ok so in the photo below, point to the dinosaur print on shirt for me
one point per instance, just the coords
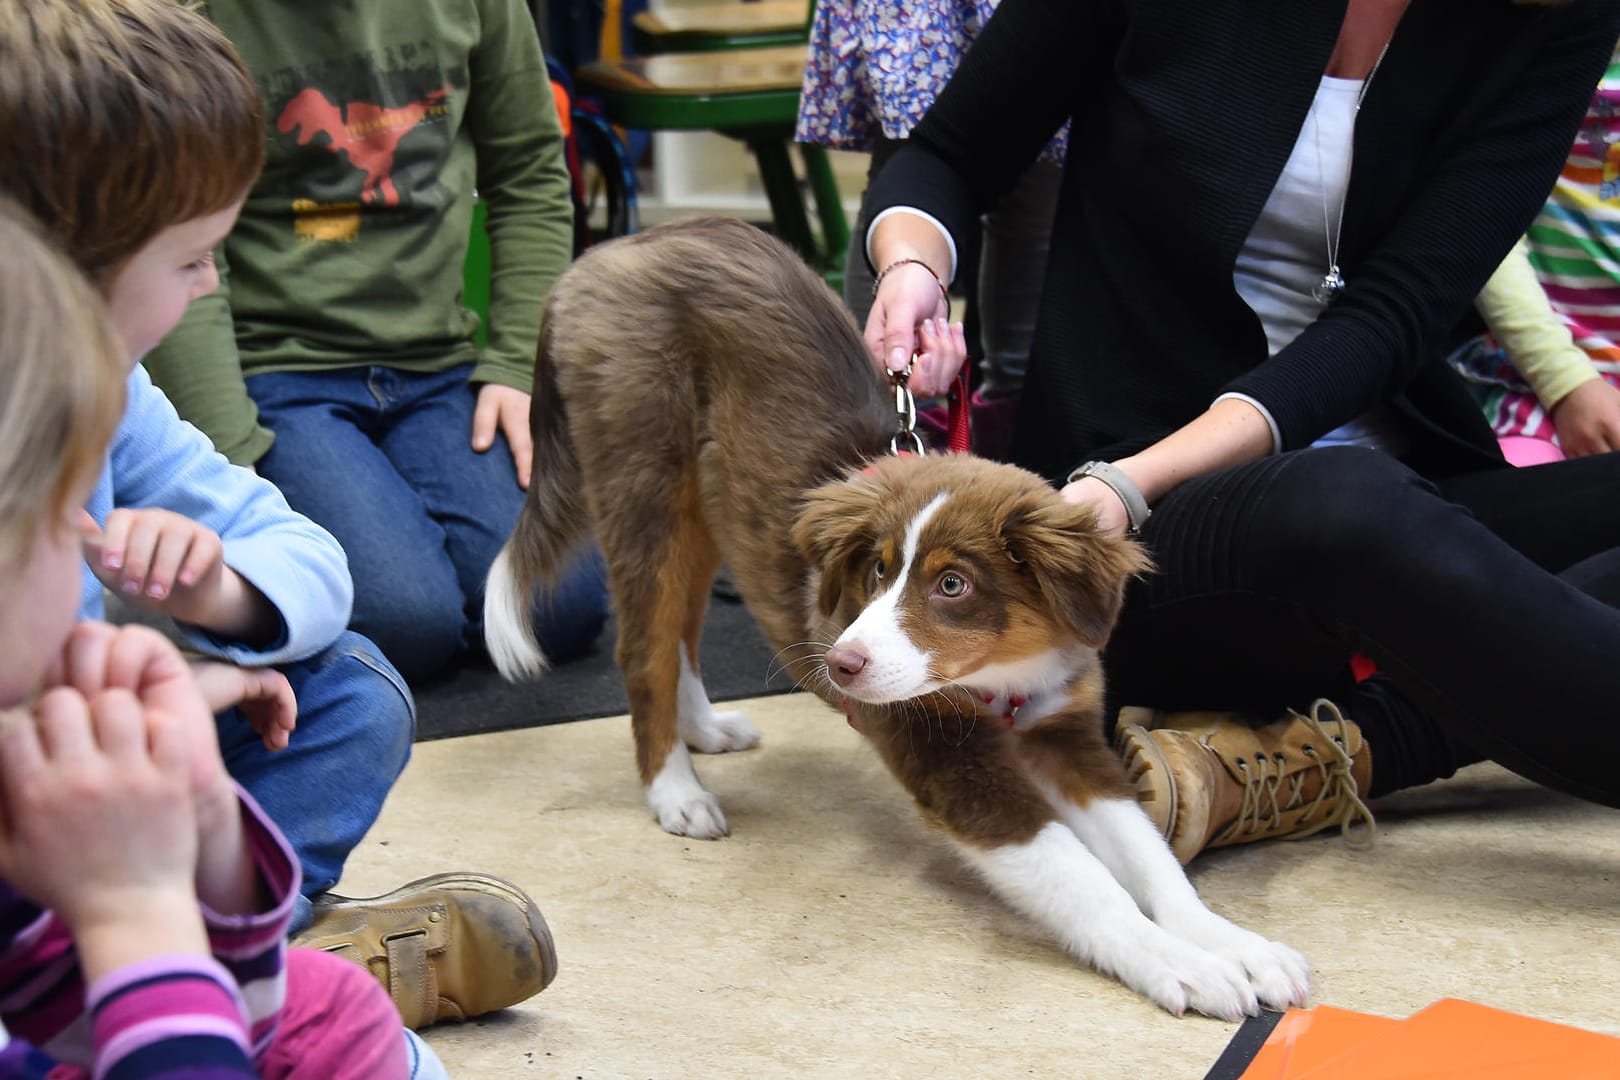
(368, 134)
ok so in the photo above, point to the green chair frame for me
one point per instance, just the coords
(759, 107)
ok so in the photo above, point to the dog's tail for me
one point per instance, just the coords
(551, 524)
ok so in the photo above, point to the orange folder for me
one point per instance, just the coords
(1306, 1038)
(1449, 1040)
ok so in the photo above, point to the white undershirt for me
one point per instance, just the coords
(1286, 254)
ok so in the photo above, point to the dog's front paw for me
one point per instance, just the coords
(720, 732)
(1280, 976)
(1178, 975)
(693, 812)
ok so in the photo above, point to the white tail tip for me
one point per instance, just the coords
(509, 626)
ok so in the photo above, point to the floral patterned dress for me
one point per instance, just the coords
(876, 66)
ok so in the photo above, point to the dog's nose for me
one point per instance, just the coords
(844, 663)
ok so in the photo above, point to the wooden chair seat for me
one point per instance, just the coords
(746, 94)
(710, 25)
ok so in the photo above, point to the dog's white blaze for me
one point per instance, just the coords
(896, 669)
(508, 624)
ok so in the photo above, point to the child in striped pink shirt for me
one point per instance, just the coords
(1549, 370)
(144, 897)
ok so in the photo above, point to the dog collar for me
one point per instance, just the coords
(1014, 702)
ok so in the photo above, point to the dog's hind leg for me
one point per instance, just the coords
(653, 568)
(702, 728)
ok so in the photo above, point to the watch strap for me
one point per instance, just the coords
(1136, 507)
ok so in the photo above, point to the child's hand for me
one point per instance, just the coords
(140, 659)
(1588, 419)
(100, 657)
(263, 694)
(97, 822)
(503, 409)
(167, 563)
(156, 558)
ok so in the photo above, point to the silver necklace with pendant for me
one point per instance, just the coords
(1332, 284)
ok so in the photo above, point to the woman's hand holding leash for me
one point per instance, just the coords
(911, 307)
(909, 319)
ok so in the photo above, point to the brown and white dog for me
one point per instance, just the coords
(701, 397)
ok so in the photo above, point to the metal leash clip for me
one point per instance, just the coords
(906, 406)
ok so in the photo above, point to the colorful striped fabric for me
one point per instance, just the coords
(169, 1017)
(178, 1016)
(1574, 250)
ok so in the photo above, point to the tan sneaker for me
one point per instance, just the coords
(1209, 779)
(445, 947)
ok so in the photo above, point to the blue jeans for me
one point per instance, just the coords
(383, 459)
(355, 725)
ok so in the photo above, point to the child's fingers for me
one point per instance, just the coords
(20, 752)
(93, 544)
(274, 687)
(270, 706)
(140, 546)
(486, 415)
(119, 725)
(171, 552)
(85, 657)
(139, 658)
(169, 746)
(205, 552)
(522, 444)
(114, 538)
(62, 720)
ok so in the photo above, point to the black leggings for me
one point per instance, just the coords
(1488, 601)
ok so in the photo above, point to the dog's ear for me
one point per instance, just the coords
(1081, 573)
(834, 530)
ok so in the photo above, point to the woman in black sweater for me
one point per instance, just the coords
(1273, 216)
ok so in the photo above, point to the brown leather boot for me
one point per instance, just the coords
(445, 947)
(1209, 779)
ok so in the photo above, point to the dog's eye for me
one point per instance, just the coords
(952, 585)
(877, 569)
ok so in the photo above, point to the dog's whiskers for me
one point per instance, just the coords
(781, 663)
(970, 715)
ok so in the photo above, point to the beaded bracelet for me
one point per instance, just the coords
(944, 293)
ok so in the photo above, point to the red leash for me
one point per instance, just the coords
(959, 432)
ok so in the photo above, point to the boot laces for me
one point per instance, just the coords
(1337, 800)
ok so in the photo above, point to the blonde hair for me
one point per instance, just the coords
(62, 373)
(120, 118)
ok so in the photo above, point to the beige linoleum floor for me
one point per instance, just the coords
(832, 936)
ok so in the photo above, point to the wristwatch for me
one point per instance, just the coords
(1136, 507)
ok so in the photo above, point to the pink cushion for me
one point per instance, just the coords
(1523, 450)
